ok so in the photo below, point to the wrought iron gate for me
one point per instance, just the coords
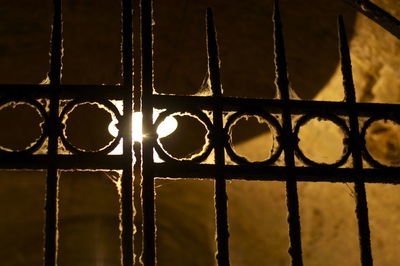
(277, 112)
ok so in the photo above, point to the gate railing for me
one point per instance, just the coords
(225, 111)
(287, 138)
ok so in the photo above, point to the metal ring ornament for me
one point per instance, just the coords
(110, 107)
(366, 154)
(328, 117)
(42, 112)
(203, 118)
(272, 123)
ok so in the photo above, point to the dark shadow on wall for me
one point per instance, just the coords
(246, 45)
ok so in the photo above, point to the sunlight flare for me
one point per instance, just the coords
(165, 128)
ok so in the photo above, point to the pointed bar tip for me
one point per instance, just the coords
(210, 17)
(343, 42)
(213, 57)
(341, 23)
(345, 59)
(281, 76)
(277, 12)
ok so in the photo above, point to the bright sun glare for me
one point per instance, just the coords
(164, 129)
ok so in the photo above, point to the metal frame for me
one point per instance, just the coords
(137, 159)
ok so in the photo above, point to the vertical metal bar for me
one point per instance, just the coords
(51, 207)
(282, 84)
(356, 147)
(137, 172)
(137, 146)
(127, 183)
(149, 250)
(221, 207)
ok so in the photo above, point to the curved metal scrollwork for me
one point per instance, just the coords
(203, 118)
(69, 107)
(327, 117)
(37, 144)
(367, 155)
(272, 123)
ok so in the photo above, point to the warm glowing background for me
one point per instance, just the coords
(257, 211)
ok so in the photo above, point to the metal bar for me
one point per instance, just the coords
(115, 92)
(356, 148)
(126, 181)
(282, 84)
(137, 146)
(221, 198)
(51, 207)
(275, 106)
(277, 173)
(137, 200)
(149, 228)
(206, 171)
(90, 92)
(81, 161)
(377, 14)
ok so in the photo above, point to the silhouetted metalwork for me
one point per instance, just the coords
(355, 147)
(52, 129)
(377, 14)
(287, 162)
(217, 140)
(149, 227)
(110, 107)
(126, 132)
(282, 85)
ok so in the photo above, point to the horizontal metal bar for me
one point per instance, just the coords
(277, 173)
(79, 161)
(273, 105)
(116, 92)
(390, 175)
(89, 92)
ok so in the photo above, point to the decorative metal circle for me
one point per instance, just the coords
(202, 117)
(109, 107)
(272, 123)
(42, 112)
(328, 117)
(367, 155)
